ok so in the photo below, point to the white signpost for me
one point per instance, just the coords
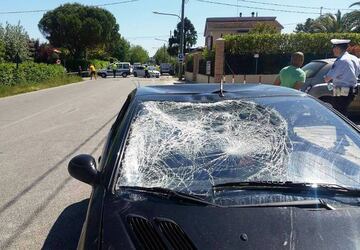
(180, 58)
(208, 70)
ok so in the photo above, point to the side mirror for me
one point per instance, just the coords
(83, 168)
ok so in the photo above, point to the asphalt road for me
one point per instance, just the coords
(41, 206)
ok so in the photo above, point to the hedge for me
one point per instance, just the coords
(318, 43)
(29, 72)
(73, 65)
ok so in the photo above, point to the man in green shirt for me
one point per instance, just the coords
(292, 76)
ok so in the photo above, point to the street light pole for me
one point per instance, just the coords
(182, 35)
(182, 39)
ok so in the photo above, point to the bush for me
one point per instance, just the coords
(99, 64)
(29, 72)
(73, 65)
(318, 43)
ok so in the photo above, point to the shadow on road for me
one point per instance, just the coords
(66, 230)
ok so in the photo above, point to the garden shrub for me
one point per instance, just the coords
(29, 72)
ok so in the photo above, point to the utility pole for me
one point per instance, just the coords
(182, 40)
(321, 10)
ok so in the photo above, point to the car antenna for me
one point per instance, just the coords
(221, 92)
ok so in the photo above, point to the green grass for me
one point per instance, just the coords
(6, 90)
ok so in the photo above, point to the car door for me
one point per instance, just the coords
(109, 70)
(140, 71)
(119, 69)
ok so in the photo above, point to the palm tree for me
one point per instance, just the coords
(337, 23)
(354, 17)
(356, 3)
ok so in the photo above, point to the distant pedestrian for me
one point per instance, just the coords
(114, 67)
(292, 76)
(92, 72)
(80, 70)
(343, 74)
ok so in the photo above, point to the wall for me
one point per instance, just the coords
(251, 78)
(237, 78)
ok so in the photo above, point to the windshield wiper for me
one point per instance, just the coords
(288, 186)
(170, 194)
(319, 203)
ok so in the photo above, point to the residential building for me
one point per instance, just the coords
(217, 27)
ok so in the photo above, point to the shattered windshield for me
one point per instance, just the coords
(192, 146)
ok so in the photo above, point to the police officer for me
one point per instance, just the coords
(147, 75)
(343, 74)
(114, 67)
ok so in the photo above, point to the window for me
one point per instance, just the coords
(312, 68)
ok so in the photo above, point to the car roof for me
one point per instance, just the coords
(245, 90)
(327, 60)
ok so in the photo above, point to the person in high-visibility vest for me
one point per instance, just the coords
(92, 72)
(114, 67)
(147, 75)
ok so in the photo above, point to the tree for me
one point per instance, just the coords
(354, 17)
(15, 42)
(43, 52)
(119, 48)
(79, 28)
(138, 54)
(264, 28)
(306, 27)
(162, 55)
(190, 38)
(330, 23)
(2, 51)
(337, 23)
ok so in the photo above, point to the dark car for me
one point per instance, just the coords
(315, 85)
(246, 167)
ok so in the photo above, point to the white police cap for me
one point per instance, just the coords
(340, 41)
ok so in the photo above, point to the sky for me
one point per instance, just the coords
(141, 27)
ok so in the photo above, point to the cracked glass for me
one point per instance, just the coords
(190, 147)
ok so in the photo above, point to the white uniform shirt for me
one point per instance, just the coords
(345, 71)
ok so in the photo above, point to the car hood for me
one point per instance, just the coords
(154, 71)
(142, 223)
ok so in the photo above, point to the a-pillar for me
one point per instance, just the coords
(219, 59)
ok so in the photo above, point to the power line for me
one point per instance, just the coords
(258, 8)
(289, 5)
(115, 3)
(38, 11)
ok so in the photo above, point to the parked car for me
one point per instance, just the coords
(139, 71)
(315, 85)
(123, 69)
(166, 68)
(196, 166)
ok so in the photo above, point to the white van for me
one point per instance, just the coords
(122, 69)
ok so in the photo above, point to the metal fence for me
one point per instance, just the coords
(202, 67)
(266, 64)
